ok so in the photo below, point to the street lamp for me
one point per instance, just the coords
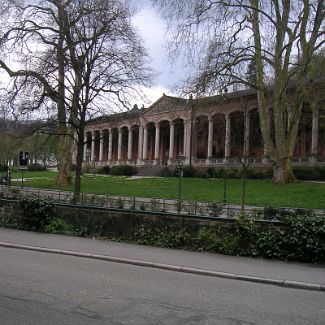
(180, 175)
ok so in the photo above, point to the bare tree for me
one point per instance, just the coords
(223, 37)
(88, 58)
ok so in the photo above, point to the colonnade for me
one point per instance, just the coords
(162, 142)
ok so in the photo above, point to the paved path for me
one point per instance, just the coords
(240, 266)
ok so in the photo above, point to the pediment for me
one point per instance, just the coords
(166, 104)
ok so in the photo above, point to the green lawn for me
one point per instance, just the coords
(258, 192)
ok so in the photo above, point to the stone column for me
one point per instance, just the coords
(184, 140)
(228, 137)
(92, 157)
(157, 141)
(119, 145)
(101, 145)
(130, 139)
(246, 134)
(314, 136)
(145, 143)
(85, 148)
(140, 145)
(110, 144)
(188, 141)
(171, 141)
(210, 139)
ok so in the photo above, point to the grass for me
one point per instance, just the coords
(258, 192)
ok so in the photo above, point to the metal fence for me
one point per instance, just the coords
(185, 207)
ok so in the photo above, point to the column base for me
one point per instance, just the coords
(312, 159)
(266, 160)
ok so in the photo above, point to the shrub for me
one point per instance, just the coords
(189, 171)
(36, 168)
(59, 226)
(166, 172)
(103, 170)
(87, 168)
(220, 172)
(321, 171)
(35, 213)
(310, 173)
(307, 173)
(125, 170)
(303, 239)
(211, 172)
(3, 168)
(233, 173)
(201, 173)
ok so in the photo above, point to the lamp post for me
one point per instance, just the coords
(180, 175)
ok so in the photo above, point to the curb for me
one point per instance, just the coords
(168, 267)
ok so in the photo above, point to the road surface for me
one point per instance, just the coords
(40, 288)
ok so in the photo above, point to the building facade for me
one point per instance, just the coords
(209, 131)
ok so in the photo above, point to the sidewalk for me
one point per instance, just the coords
(249, 269)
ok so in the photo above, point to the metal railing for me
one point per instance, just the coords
(163, 206)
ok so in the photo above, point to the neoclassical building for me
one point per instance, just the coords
(209, 131)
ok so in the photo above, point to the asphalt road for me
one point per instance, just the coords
(40, 288)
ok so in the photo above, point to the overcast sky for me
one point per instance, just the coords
(152, 30)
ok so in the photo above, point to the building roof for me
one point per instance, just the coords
(170, 103)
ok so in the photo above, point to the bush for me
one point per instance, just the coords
(3, 168)
(35, 213)
(166, 172)
(59, 226)
(36, 168)
(304, 238)
(211, 172)
(201, 173)
(189, 171)
(125, 170)
(233, 173)
(87, 168)
(321, 171)
(307, 173)
(310, 173)
(103, 170)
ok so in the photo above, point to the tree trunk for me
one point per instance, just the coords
(283, 172)
(79, 159)
(65, 160)
(65, 141)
